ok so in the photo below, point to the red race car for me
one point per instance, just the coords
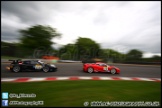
(100, 67)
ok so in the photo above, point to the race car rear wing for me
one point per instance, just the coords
(15, 61)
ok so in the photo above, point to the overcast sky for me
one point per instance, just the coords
(121, 26)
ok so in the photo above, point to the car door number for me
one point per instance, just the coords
(37, 66)
(105, 68)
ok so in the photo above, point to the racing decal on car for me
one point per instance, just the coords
(37, 66)
(105, 68)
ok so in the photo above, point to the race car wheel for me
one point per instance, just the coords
(113, 71)
(16, 69)
(90, 69)
(46, 69)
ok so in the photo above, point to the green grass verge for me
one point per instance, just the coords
(75, 93)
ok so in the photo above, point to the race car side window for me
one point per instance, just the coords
(103, 65)
(26, 62)
(99, 64)
(34, 62)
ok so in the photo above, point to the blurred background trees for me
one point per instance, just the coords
(35, 41)
(134, 55)
(37, 37)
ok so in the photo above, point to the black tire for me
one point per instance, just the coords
(16, 69)
(46, 69)
(113, 71)
(90, 70)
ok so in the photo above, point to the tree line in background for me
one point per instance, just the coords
(36, 41)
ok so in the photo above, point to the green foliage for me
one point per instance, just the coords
(153, 59)
(37, 36)
(83, 48)
(68, 52)
(87, 48)
(7, 49)
(156, 57)
(114, 56)
(36, 40)
(134, 55)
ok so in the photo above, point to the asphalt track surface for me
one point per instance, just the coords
(75, 69)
